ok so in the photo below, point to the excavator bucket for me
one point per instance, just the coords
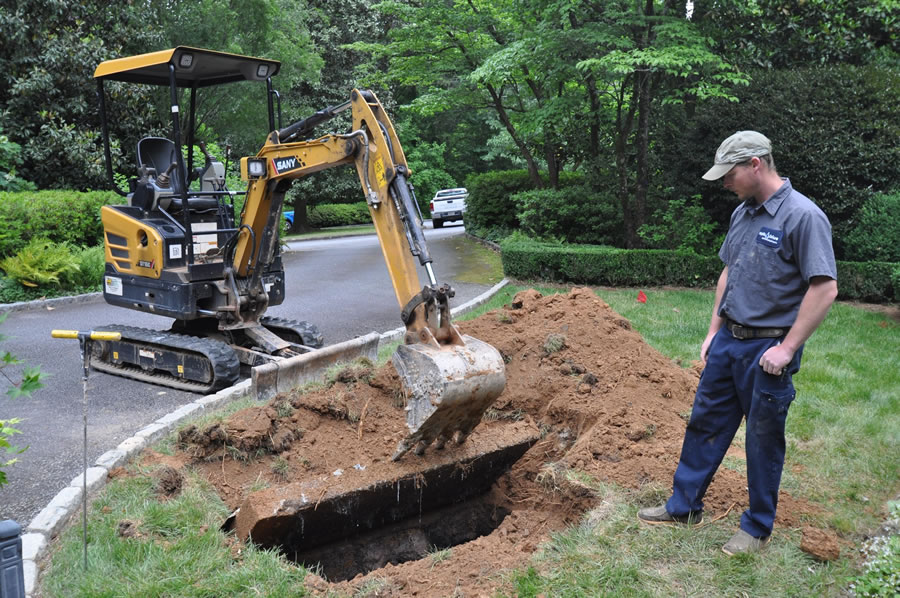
(449, 387)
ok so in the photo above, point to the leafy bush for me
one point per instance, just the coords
(91, 266)
(867, 281)
(573, 214)
(596, 265)
(876, 234)
(10, 157)
(342, 214)
(490, 203)
(59, 216)
(527, 259)
(683, 226)
(41, 263)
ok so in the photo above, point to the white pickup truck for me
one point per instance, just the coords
(448, 204)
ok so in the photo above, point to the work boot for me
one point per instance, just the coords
(742, 542)
(659, 516)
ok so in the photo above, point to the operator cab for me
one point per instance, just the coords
(178, 229)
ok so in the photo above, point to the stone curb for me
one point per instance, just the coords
(50, 303)
(47, 524)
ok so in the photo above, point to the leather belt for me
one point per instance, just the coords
(741, 332)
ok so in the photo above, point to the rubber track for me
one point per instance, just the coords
(225, 364)
(306, 331)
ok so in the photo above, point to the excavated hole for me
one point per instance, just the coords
(407, 540)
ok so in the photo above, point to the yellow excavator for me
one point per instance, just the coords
(177, 249)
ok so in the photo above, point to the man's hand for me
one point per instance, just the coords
(704, 348)
(776, 359)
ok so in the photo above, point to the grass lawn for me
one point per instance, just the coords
(843, 434)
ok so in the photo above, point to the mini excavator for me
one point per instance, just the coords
(177, 249)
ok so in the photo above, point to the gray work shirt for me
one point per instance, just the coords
(772, 250)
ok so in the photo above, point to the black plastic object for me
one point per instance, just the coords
(12, 575)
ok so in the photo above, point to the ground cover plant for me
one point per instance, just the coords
(840, 472)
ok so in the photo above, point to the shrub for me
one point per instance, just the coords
(876, 234)
(58, 216)
(573, 214)
(41, 263)
(683, 225)
(342, 214)
(10, 157)
(490, 203)
(596, 265)
(867, 281)
(91, 266)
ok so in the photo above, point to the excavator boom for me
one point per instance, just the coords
(450, 379)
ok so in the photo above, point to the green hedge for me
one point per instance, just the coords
(339, 214)
(60, 216)
(597, 265)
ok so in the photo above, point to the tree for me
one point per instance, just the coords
(50, 49)
(784, 34)
(565, 79)
(654, 55)
(47, 96)
(483, 55)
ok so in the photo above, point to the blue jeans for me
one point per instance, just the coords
(734, 386)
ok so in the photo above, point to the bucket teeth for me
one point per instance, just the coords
(449, 389)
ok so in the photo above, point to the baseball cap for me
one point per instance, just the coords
(738, 148)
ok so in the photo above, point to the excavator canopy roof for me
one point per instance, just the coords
(193, 67)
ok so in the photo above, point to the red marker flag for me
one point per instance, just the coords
(642, 298)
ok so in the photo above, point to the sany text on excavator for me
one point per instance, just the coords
(177, 249)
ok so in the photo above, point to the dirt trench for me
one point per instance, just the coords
(580, 380)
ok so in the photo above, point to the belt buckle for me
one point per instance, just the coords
(740, 332)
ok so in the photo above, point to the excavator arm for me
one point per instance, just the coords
(450, 379)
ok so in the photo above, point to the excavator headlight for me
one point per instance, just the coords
(253, 168)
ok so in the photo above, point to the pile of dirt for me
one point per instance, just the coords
(602, 401)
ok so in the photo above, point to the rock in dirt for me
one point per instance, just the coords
(820, 544)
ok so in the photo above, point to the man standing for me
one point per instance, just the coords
(777, 286)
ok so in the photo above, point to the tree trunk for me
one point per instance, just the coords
(642, 143)
(301, 218)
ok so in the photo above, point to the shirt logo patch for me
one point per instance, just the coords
(769, 237)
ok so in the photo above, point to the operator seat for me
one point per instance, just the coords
(159, 153)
